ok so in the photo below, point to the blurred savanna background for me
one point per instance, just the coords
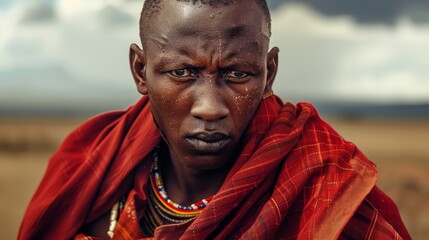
(362, 63)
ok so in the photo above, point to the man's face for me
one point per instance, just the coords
(205, 73)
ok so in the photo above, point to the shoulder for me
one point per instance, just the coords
(93, 133)
(320, 145)
(317, 134)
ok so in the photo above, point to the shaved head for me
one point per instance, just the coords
(151, 9)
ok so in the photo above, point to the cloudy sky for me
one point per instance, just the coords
(74, 53)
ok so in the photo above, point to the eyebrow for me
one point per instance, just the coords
(228, 63)
(180, 60)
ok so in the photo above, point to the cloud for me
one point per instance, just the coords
(78, 54)
(43, 88)
(111, 17)
(38, 13)
(393, 86)
(75, 57)
(338, 58)
(367, 11)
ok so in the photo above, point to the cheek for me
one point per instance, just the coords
(253, 98)
(169, 109)
(245, 105)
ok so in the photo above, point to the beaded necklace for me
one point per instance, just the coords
(161, 209)
(162, 194)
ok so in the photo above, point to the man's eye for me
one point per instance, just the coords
(181, 73)
(235, 74)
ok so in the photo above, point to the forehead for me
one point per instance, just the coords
(176, 19)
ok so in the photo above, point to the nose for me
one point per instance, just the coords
(209, 105)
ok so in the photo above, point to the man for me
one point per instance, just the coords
(209, 152)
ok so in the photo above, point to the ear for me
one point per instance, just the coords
(272, 63)
(138, 68)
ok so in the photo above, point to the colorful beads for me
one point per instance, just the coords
(160, 190)
(161, 209)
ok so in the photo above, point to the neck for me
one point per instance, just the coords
(186, 186)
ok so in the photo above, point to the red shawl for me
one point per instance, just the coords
(295, 178)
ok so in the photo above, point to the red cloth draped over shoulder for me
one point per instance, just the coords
(295, 178)
(90, 171)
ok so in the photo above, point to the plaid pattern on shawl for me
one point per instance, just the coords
(296, 178)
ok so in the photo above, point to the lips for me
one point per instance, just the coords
(208, 143)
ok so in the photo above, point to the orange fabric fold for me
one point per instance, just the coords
(295, 178)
